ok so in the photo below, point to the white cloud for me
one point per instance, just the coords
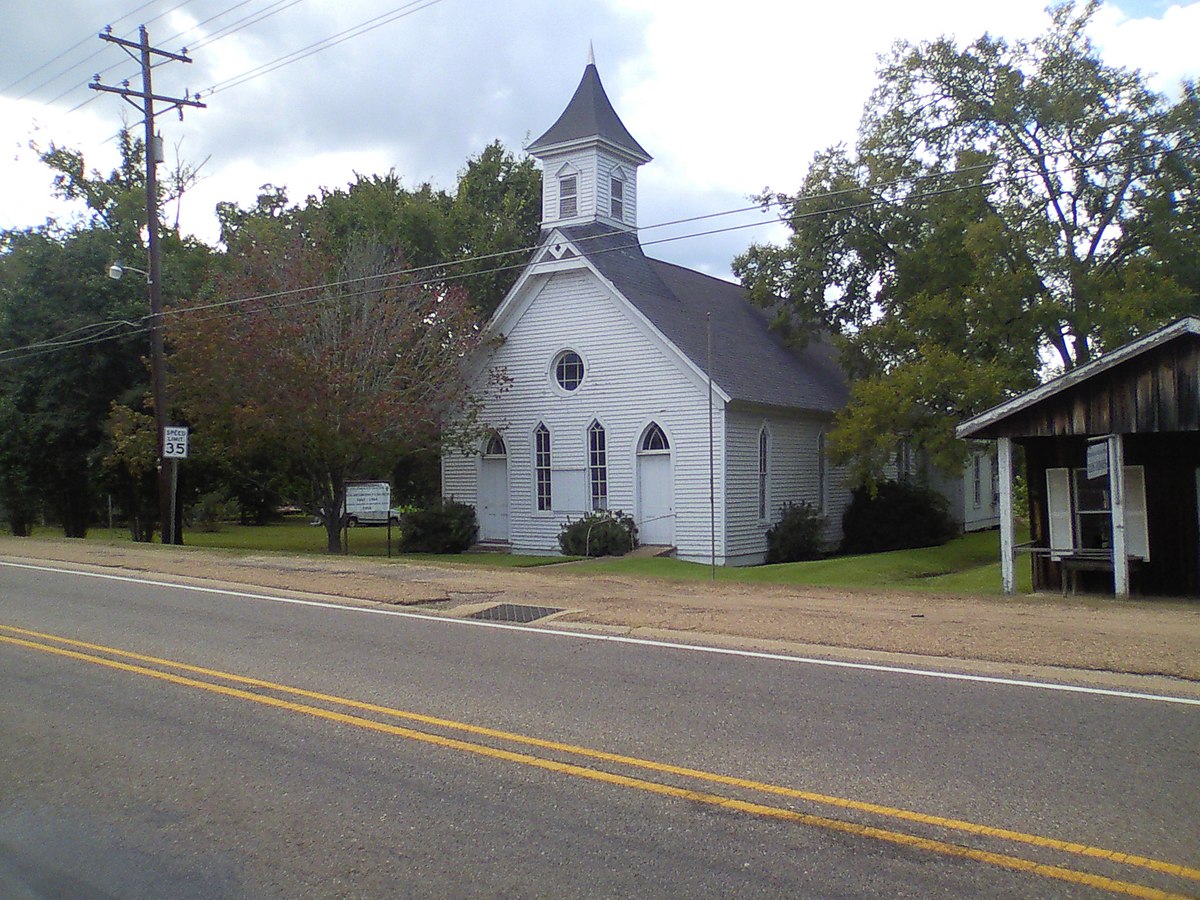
(1163, 48)
(729, 100)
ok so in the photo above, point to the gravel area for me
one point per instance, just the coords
(1011, 636)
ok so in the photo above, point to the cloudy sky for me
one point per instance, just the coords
(728, 98)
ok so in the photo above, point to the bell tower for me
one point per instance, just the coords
(589, 161)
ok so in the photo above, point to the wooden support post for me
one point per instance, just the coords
(1004, 460)
(1116, 481)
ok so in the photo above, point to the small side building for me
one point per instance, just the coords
(973, 494)
(1112, 456)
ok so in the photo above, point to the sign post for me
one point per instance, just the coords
(175, 448)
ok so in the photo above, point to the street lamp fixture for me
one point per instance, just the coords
(117, 269)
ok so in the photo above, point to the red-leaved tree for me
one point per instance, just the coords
(330, 362)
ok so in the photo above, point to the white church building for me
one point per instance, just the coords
(607, 400)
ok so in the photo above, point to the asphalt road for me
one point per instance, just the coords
(165, 742)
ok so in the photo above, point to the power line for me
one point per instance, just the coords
(365, 27)
(362, 28)
(55, 344)
(245, 22)
(232, 28)
(30, 74)
(77, 45)
(220, 34)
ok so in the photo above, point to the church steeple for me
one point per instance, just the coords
(589, 161)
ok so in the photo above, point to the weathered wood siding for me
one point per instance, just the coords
(1170, 463)
(1156, 391)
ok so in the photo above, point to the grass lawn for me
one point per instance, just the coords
(296, 535)
(968, 564)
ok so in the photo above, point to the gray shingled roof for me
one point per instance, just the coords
(589, 115)
(751, 363)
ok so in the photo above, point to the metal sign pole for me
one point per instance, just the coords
(174, 489)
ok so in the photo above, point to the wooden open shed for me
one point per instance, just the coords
(1112, 458)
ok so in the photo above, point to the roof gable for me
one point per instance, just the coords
(750, 362)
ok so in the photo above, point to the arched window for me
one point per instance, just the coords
(653, 440)
(541, 466)
(495, 446)
(598, 465)
(568, 370)
(763, 441)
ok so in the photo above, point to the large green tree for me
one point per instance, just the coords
(466, 245)
(64, 357)
(322, 357)
(1007, 206)
(72, 341)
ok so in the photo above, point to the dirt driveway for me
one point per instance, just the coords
(1003, 636)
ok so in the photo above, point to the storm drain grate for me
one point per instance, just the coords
(513, 612)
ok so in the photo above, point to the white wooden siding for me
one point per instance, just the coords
(593, 170)
(630, 380)
(605, 166)
(987, 513)
(791, 477)
(584, 161)
(460, 477)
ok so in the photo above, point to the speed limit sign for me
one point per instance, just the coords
(175, 442)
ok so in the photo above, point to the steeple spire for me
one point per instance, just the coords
(590, 116)
(589, 160)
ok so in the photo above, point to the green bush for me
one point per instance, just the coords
(900, 515)
(442, 527)
(797, 534)
(213, 508)
(603, 533)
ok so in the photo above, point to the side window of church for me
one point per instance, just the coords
(568, 196)
(541, 466)
(617, 195)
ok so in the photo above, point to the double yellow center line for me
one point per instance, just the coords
(168, 671)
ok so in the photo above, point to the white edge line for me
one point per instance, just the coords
(619, 639)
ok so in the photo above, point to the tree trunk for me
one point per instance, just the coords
(72, 503)
(333, 532)
(333, 503)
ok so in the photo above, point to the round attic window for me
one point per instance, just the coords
(568, 370)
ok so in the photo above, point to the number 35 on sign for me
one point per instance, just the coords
(175, 443)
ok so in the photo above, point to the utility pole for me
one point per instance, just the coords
(143, 100)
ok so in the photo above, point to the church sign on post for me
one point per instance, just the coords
(367, 502)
